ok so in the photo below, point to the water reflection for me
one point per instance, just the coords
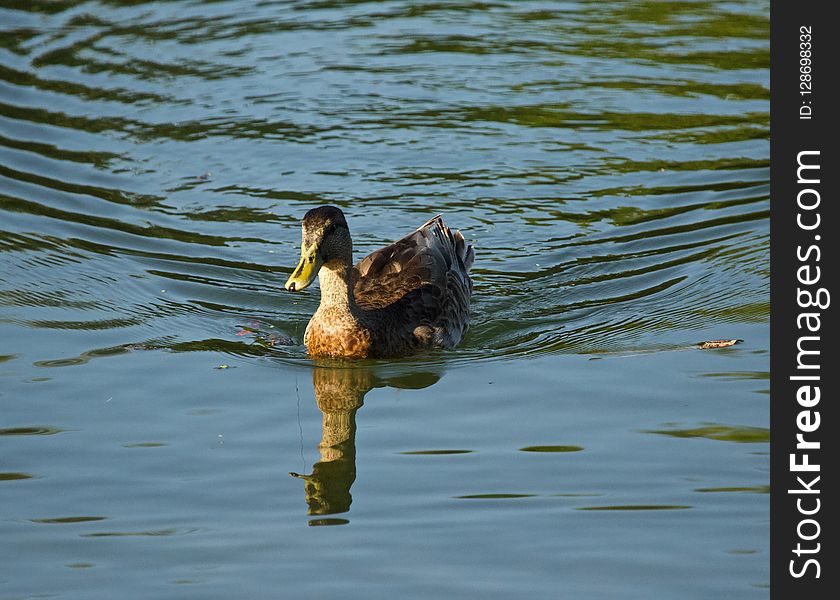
(340, 391)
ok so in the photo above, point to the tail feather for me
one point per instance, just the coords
(438, 218)
(463, 250)
(460, 244)
(469, 258)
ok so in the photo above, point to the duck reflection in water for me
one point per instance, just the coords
(340, 392)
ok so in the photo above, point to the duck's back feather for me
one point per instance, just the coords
(419, 286)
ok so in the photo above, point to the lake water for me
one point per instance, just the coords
(608, 160)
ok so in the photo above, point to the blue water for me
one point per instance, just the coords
(608, 160)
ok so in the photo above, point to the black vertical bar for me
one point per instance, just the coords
(804, 173)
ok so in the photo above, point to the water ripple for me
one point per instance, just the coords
(164, 157)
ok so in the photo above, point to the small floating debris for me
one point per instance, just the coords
(223, 367)
(718, 344)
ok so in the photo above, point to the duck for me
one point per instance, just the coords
(409, 296)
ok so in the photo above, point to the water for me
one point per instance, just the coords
(608, 160)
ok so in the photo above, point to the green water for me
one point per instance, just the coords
(608, 160)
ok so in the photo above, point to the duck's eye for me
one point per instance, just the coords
(330, 229)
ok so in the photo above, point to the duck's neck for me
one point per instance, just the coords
(337, 286)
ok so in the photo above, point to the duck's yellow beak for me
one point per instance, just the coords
(307, 269)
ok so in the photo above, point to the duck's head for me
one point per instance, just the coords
(325, 239)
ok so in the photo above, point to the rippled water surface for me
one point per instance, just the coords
(608, 160)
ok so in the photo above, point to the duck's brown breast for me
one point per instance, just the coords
(338, 339)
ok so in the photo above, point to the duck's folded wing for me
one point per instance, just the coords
(431, 258)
